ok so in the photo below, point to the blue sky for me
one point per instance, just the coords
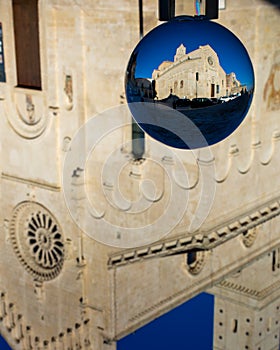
(4, 345)
(161, 43)
(189, 326)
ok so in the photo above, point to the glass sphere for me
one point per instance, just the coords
(189, 82)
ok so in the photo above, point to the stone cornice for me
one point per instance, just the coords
(199, 285)
(201, 240)
(37, 183)
(252, 293)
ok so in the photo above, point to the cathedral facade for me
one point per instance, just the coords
(190, 75)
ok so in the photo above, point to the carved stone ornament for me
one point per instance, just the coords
(249, 237)
(37, 240)
(68, 90)
(271, 93)
(26, 112)
(196, 263)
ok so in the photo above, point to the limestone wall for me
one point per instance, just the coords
(83, 296)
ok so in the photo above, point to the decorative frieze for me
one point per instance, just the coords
(245, 225)
(246, 291)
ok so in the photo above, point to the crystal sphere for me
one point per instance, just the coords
(189, 83)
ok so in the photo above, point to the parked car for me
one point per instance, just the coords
(200, 102)
(183, 102)
(225, 99)
(230, 97)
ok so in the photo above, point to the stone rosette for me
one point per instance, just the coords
(37, 240)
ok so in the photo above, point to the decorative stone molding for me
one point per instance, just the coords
(202, 241)
(68, 91)
(252, 293)
(258, 150)
(249, 237)
(14, 323)
(197, 262)
(199, 285)
(66, 144)
(30, 182)
(26, 112)
(37, 240)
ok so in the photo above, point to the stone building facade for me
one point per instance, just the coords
(193, 74)
(71, 275)
(233, 84)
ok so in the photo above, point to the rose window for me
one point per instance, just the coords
(45, 240)
(37, 240)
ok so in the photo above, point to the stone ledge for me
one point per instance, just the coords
(201, 241)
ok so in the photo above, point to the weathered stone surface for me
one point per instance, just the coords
(225, 199)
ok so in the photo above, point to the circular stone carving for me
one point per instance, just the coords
(195, 262)
(37, 240)
(26, 113)
(249, 237)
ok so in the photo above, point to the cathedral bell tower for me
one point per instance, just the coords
(180, 52)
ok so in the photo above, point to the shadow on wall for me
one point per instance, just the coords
(274, 2)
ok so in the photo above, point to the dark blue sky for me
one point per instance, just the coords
(189, 326)
(161, 43)
(4, 345)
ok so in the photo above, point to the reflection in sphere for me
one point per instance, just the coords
(192, 68)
